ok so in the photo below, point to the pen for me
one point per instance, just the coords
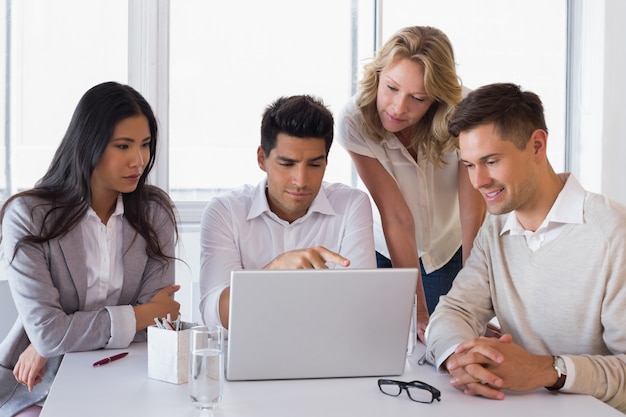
(169, 325)
(110, 359)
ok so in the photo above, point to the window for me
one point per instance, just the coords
(229, 60)
(228, 63)
(210, 68)
(52, 53)
(523, 42)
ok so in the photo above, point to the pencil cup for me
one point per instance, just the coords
(206, 366)
(168, 354)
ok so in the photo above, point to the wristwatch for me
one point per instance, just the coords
(561, 371)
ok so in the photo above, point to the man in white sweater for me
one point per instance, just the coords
(549, 262)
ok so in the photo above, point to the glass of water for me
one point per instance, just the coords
(206, 366)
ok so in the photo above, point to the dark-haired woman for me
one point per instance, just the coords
(89, 251)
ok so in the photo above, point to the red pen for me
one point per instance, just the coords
(110, 359)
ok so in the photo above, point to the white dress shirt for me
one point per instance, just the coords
(239, 231)
(105, 273)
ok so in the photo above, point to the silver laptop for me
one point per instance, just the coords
(290, 324)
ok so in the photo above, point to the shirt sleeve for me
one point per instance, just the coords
(219, 255)
(358, 240)
(442, 358)
(571, 374)
(123, 325)
(350, 131)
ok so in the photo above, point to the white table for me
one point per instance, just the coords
(122, 388)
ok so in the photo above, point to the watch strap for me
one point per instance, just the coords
(560, 382)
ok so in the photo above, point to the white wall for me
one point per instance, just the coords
(614, 87)
(600, 80)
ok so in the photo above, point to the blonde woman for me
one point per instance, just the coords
(395, 130)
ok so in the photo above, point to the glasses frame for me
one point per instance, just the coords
(404, 386)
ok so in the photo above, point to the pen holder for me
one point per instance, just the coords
(168, 354)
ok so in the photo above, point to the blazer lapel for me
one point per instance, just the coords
(73, 249)
(134, 258)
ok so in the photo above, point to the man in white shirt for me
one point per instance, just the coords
(549, 262)
(292, 219)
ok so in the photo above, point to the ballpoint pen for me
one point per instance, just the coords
(110, 359)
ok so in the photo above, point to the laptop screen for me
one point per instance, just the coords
(287, 324)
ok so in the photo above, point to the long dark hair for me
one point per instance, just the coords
(65, 187)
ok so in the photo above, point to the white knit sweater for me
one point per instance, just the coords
(568, 298)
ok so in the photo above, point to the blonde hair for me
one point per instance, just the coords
(432, 49)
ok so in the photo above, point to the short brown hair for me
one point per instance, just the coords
(514, 113)
(301, 116)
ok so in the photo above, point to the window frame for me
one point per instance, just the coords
(148, 72)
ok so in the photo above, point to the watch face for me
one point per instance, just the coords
(559, 363)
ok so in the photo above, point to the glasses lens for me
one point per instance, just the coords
(421, 395)
(390, 388)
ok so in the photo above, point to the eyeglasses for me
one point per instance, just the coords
(417, 391)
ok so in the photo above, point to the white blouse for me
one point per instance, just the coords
(430, 192)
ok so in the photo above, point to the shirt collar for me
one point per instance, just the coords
(391, 141)
(260, 205)
(567, 208)
(119, 209)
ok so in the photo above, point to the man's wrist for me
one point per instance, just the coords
(561, 372)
